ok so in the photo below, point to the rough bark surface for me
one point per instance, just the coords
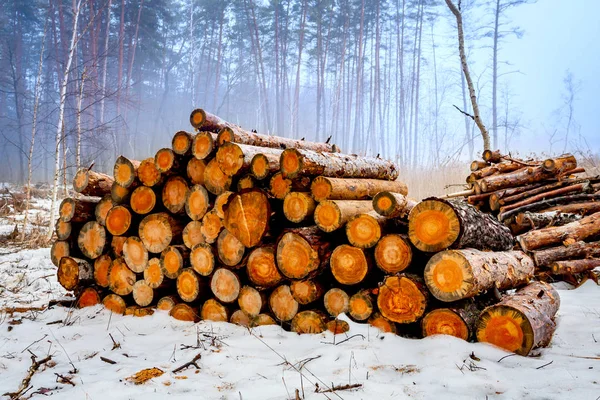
(545, 257)
(92, 183)
(327, 188)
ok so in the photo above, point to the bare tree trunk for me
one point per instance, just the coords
(359, 73)
(79, 102)
(121, 48)
(219, 52)
(418, 77)
(105, 68)
(295, 126)
(495, 78)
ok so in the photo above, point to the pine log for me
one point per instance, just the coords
(349, 265)
(159, 230)
(153, 275)
(493, 169)
(459, 274)
(64, 230)
(59, 249)
(192, 234)
(135, 254)
(102, 209)
(114, 303)
(188, 285)
(282, 303)
(92, 240)
(299, 207)
(529, 220)
(294, 163)
(279, 186)
(263, 165)
(142, 293)
(202, 259)
(172, 260)
(125, 171)
(393, 205)
(402, 298)
(137, 311)
(361, 306)
(212, 310)
(230, 249)
(333, 214)
(577, 188)
(148, 174)
(576, 208)
(142, 200)
(522, 321)
(492, 156)
(393, 253)
(308, 322)
(167, 162)
(364, 230)
(338, 326)
(246, 182)
(458, 320)
(221, 202)
(498, 196)
(120, 194)
(247, 216)
(116, 245)
(436, 224)
(166, 303)
(118, 220)
(302, 252)
(382, 323)
(336, 302)
(183, 312)
(306, 291)
(324, 188)
(182, 143)
(203, 145)
(101, 267)
(88, 297)
(215, 180)
(73, 272)
(174, 194)
(263, 320)
(195, 171)
(550, 204)
(234, 158)
(120, 278)
(261, 268)
(239, 317)
(197, 202)
(545, 257)
(251, 301)
(77, 210)
(225, 285)
(212, 225)
(478, 164)
(574, 266)
(535, 190)
(563, 163)
(92, 183)
(574, 231)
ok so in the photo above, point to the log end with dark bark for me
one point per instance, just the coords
(308, 322)
(148, 174)
(203, 145)
(336, 302)
(298, 206)
(230, 250)
(125, 171)
(92, 240)
(181, 143)
(433, 226)
(188, 285)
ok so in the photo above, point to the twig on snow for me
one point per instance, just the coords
(35, 365)
(189, 364)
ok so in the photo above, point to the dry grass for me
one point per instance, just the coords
(426, 182)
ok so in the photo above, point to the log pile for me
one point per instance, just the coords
(231, 225)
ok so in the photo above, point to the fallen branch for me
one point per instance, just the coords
(188, 364)
(64, 379)
(336, 388)
(107, 360)
(35, 365)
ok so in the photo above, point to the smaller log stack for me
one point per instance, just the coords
(231, 225)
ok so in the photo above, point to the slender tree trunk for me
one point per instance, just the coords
(495, 78)
(418, 78)
(359, 73)
(296, 109)
(219, 58)
(437, 104)
(121, 48)
(105, 69)
(79, 103)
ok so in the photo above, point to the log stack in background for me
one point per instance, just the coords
(231, 225)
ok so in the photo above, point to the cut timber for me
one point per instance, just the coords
(338, 326)
(63, 229)
(301, 252)
(225, 285)
(336, 302)
(118, 220)
(88, 297)
(166, 162)
(142, 293)
(120, 278)
(120, 194)
(215, 180)
(137, 311)
(576, 250)
(153, 274)
(506, 198)
(59, 249)
(183, 312)
(494, 169)
(529, 220)
(212, 225)
(92, 240)
(246, 182)
(576, 188)
(522, 321)
(294, 163)
(239, 317)
(116, 245)
(308, 322)
(172, 261)
(298, 207)
(402, 299)
(577, 208)
(263, 165)
(247, 216)
(220, 202)
(306, 291)
(188, 285)
(264, 319)
(250, 300)
(364, 230)
(182, 143)
(360, 306)
(234, 158)
(393, 205)
(326, 188)
(212, 310)
(101, 267)
(496, 199)
(393, 253)
(436, 224)
(261, 268)
(349, 265)
(135, 254)
(73, 272)
(195, 171)
(578, 230)
(282, 303)
(77, 210)
(197, 202)
(192, 234)
(92, 183)
(125, 171)
(203, 145)
(159, 230)
(166, 303)
(549, 203)
(230, 249)
(174, 194)
(574, 266)
(114, 303)
(202, 259)
(491, 156)
(143, 200)
(102, 209)
(382, 323)
(458, 320)
(563, 163)
(279, 186)
(478, 164)
(459, 274)
(333, 214)
(148, 174)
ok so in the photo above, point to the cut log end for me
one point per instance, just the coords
(203, 145)
(135, 254)
(59, 250)
(102, 209)
(291, 163)
(298, 206)
(392, 205)
(444, 321)
(212, 310)
(197, 118)
(101, 267)
(92, 240)
(166, 303)
(157, 231)
(393, 254)
(220, 203)
(195, 171)
(448, 276)
(283, 304)
(143, 200)
(212, 225)
(74, 271)
(188, 285)
(383, 324)
(125, 171)
(250, 301)
(433, 226)
(148, 174)
(401, 299)
(225, 285)
(230, 158)
(261, 268)
(349, 264)
(246, 182)
(181, 143)
(120, 278)
(328, 216)
(91, 183)
(63, 230)
(308, 322)
(114, 303)
(296, 258)
(247, 216)
(336, 302)
(338, 326)
(263, 320)
(279, 186)
(202, 259)
(506, 327)
(118, 220)
(88, 297)
(171, 262)
(142, 293)
(174, 194)
(306, 291)
(197, 202)
(183, 312)
(260, 166)
(364, 230)
(116, 245)
(192, 234)
(230, 249)
(321, 188)
(164, 160)
(360, 306)
(215, 180)
(153, 274)
(226, 135)
(238, 317)
(119, 194)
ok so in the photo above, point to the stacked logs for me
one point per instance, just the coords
(231, 225)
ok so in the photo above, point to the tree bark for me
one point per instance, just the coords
(545, 257)
(91, 183)
(458, 321)
(73, 272)
(334, 214)
(326, 188)
(574, 266)
(236, 158)
(563, 204)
